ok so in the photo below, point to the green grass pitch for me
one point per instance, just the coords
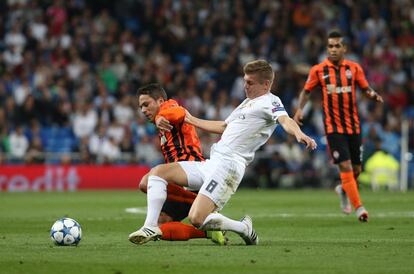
(300, 232)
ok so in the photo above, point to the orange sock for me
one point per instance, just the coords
(176, 231)
(179, 194)
(349, 184)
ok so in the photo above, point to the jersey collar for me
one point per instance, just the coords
(330, 64)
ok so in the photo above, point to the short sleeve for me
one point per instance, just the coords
(313, 79)
(360, 77)
(275, 109)
(171, 111)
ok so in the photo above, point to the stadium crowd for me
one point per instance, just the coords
(69, 71)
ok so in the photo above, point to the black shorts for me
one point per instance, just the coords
(178, 211)
(343, 147)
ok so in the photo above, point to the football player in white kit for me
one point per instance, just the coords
(247, 128)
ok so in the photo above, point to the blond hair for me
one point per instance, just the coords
(261, 68)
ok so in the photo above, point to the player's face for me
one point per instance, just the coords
(253, 87)
(149, 106)
(336, 49)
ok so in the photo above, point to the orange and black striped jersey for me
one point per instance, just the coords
(338, 84)
(182, 142)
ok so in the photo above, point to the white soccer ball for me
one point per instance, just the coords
(66, 231)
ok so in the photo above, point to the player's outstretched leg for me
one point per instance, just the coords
(177, 231)
(249, 235)
(344, 202)
(145, 234)
(362, 214)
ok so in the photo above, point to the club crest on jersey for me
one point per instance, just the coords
(348, 74)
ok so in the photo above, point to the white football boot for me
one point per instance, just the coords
(249, 236)
(343, 200)
(145, 234)
(362, 214)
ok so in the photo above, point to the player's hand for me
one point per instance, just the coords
(188, 117)
(163, 124)
(375, 96)
(298, 117)
(308, 141)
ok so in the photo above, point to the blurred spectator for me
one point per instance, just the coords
(119, 67)
(110, 150)
(147, 153)
(21, 91)
(35, 153)
(123, 112)
(94, 142)
(15, 38)
(12, 57)
(292, 153)
(116, 131)
(84, 120)
(18, 143)
(38, 28)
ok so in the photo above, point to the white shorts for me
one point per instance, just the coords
(216, 178)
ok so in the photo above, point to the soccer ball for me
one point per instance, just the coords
(66, 231)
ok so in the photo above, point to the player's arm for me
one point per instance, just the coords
(372, 94)
(291, 127)
(363, 84)
(303, 99)
(168, 117)
(207, 125)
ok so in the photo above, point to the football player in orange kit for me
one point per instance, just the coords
(338, 78)
(179, 143)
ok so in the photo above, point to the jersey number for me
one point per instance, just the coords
(211, 186)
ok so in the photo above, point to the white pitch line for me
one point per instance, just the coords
(136, 210)
(401, 214)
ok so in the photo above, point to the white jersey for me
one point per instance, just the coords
(249, 126)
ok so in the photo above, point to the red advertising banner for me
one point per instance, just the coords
(69, 178)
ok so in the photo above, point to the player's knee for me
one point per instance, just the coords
(195, 219)
(357, 170)
(157, 171)
(345, 166)
(143, 186)
(143, 183)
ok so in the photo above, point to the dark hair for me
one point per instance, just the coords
(337, 34)
(154, 90)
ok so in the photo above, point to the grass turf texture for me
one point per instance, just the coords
(300, 232)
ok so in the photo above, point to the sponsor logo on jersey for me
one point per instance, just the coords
(335, 89)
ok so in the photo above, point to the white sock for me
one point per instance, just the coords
(217, 221)
(156, 196)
